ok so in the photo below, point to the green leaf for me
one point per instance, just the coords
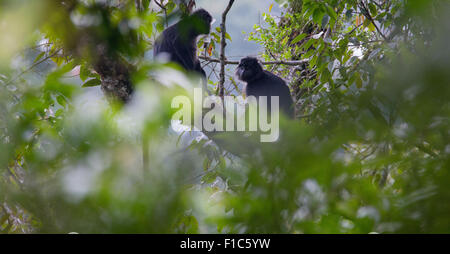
(298, 38)
(284, 41)
(159, 27)
(92, 82)
(84, 72)
(228, 36)
(326, 75)
(367, 22)
(58, 60)
(206, 164)
(61, 100)
(331, 12)
(373, 9)
(146, 4)
(209, 177)
(39, 57)
(357, 79)
(318, 15)
(359, 82)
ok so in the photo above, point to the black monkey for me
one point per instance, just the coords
(179, 41)
(264, 83)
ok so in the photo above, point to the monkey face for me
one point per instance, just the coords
(248, 69)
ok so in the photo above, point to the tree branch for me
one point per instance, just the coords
(223, 44)
(227, 62)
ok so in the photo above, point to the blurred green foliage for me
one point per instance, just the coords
(369, 151)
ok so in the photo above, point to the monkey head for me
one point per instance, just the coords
(202, 20)
(249, 69)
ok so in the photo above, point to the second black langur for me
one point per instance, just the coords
(179, 41)
(264, 83)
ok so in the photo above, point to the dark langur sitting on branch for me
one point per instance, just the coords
(264, 83)
(179, 41)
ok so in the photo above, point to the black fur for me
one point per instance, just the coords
(264, 83)
(180, 40)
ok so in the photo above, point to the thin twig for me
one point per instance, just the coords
(366, 13)
(32, 67)
(353, 30)
(163, 7)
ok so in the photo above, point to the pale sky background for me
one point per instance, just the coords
(242, 17)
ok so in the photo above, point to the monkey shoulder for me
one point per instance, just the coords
(169, 37)
(273, 79)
